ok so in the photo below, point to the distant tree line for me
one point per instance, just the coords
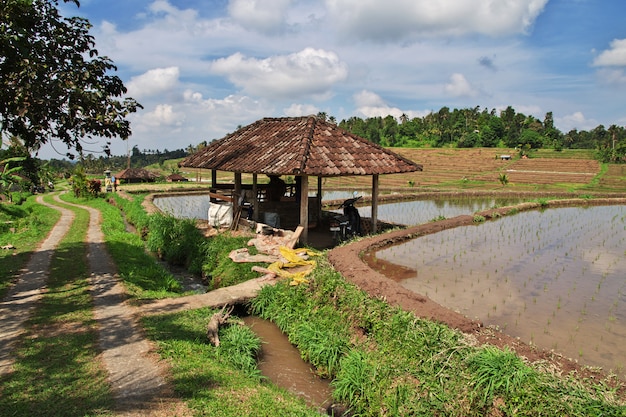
(473, 127)
(136, 159)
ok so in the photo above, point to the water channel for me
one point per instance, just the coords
(281, 363)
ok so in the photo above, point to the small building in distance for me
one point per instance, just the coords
(134, 175)
(175, 178)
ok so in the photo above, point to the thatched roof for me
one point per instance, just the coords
(298, 146)
(175, 178)
(136, 174)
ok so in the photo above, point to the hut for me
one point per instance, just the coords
(131, 175)
(175, 178)
(298, 147)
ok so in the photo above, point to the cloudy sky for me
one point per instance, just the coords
(201, 68)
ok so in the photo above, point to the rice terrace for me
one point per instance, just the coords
(526, 255)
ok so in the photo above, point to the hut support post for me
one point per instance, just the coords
(374, 203)
(255, 198)
(304, 208)
(237, 192)
(319, 200)
(213, 178)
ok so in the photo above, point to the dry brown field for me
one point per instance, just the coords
(478, 169)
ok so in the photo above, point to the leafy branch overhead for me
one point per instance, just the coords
(54, 86)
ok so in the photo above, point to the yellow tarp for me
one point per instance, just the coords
(302, 267)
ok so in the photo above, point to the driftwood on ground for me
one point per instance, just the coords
(217, 320)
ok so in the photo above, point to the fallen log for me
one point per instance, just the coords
(217, 320)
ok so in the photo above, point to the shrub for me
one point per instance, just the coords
(177, 241)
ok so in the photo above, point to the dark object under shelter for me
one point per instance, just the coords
(297, 147)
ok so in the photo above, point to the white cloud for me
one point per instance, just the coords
(266, 16)
(308, 72)
(576, 120)
(152, 82)
(612, 76)
(613, 57)
(460, 87)
(162, 115)
(370, 104)
(368, 99)
(296, 110)
(397, 19)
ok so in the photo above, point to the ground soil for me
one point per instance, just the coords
(357, 263)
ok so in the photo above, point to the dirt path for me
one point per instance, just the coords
(137, 379)
(22, 298)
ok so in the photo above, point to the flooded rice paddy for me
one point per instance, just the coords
(553, 278)
(421, 211)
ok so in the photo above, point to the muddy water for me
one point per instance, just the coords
(281, 363)
(556, 279)
(422, 211)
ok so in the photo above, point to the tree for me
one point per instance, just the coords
(8, 175)
(53, 84)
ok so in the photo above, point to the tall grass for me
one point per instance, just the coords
(142, 277)
(386, 361)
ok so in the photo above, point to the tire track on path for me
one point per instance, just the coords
(22, 298)
(139, 387)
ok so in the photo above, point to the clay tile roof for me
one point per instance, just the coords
(136, 173)
(296, 146)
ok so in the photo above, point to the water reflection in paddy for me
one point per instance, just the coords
(556, 278)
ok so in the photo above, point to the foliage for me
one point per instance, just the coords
(23, 226)
(8, 175)
(94, 187)
(53, 84)
(394, 363)
(177, 241)
(498, 372)
(218, 381)
(473, 127)
(134, 212)
(504, 179)
(143, 277)
(218, 267)
(136, 159)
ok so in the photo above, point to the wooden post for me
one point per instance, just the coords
(255, 198)
(213, 178)
(319, 200)
(374, 203)
(304, 208)
(236, 192)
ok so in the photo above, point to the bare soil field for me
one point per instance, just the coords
(448, 169)
(480, 168)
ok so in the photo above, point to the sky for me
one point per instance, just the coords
(203, 68)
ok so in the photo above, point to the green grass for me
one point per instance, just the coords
(57, 357)
(24, 226)
(219, 381)
(386, 361)
(142, 276)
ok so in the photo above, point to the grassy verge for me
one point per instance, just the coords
(386, 361)
(57, 357)
(143, 277)
(219, 381)
(23, 226)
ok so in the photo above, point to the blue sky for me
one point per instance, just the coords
(203, 68)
